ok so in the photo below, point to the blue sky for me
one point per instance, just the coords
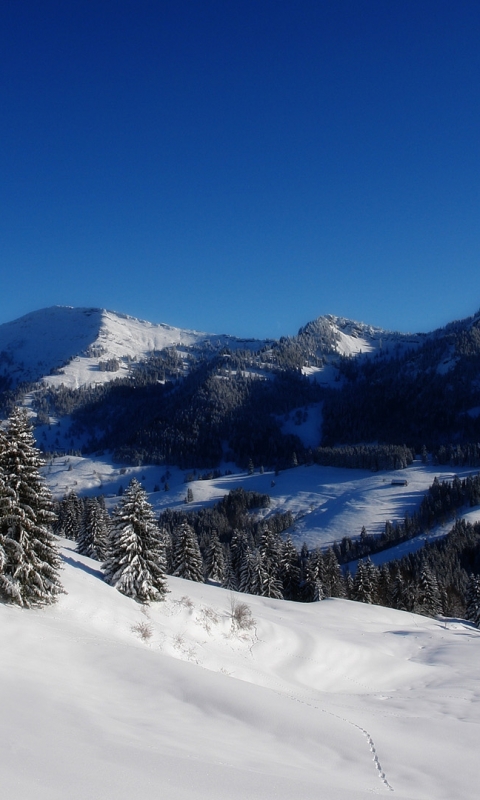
(241, 167)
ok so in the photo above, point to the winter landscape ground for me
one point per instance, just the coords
(200, 697)
(333, 699)
(101, 697)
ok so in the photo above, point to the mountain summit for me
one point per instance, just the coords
(78, 346)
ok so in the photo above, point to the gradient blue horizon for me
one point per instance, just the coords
(242, 167)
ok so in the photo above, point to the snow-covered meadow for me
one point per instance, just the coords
(327, 502)
(102, 698)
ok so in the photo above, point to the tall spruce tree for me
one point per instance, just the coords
(94, 529)
(136, 562)
(427, 598)
(472, 612)
(29, 560)
(70, 514)
(215, 559)
(187, 558)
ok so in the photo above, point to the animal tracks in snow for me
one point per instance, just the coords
(363, 731)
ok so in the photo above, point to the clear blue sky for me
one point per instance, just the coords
(241, 166)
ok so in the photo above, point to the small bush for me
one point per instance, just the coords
(240, 615)
(144, 630)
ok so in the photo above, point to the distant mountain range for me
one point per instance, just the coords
(155, 392)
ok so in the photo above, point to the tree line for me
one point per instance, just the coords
(226, 545)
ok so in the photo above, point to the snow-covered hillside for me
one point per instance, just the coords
(348, 337)
(75, 341)
(334, 699)
(327, 502)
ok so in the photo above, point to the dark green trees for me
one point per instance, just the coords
(187, 558)
(29, 560)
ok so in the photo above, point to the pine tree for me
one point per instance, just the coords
(229, 577)
(427, 599)
(332, 576)
(318, 592)
(215, 561)
(70, 514)
(312, 574)
(289, 570)
(258, 574)
(270, 555)
(245, 571)
(187, 558)
(398, 591)
(364, 582)
(94, 531)
(136, 562)
(238, 548)
(167, 545)
(472, 612)
(29, 561)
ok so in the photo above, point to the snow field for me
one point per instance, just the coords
(332, 699)
(327, 502)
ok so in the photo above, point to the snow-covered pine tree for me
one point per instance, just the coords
(136, 561)
(229, 577)
(270, 553)
(187, 558)
(398, 591)
(246, 571)
(427, 599)
(167, 545)
(312, 573)
(289, 570)
(332, 576)
(272, 587)
(70, 514)
(214, 559)
(472, 612)
(238, 548)
(257, 573)
(30, 562)
(318, 593)
(94, 530)
(364, 582)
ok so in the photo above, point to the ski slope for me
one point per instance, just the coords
(336, 699)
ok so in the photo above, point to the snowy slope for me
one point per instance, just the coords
(347, 337)
(327, 502)
(76, 340)
(335, 699)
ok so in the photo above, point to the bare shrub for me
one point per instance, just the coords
(208, 617)
(144, 630)
(179, 641)
(240, 615)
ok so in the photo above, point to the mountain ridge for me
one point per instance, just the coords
(94, 335)
(157, 394)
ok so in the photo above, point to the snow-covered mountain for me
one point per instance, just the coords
(337, 699)
(386, 385)
(74, 343)
(70, 346)
(346, 337)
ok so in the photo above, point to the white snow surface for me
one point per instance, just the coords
(335, 700)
